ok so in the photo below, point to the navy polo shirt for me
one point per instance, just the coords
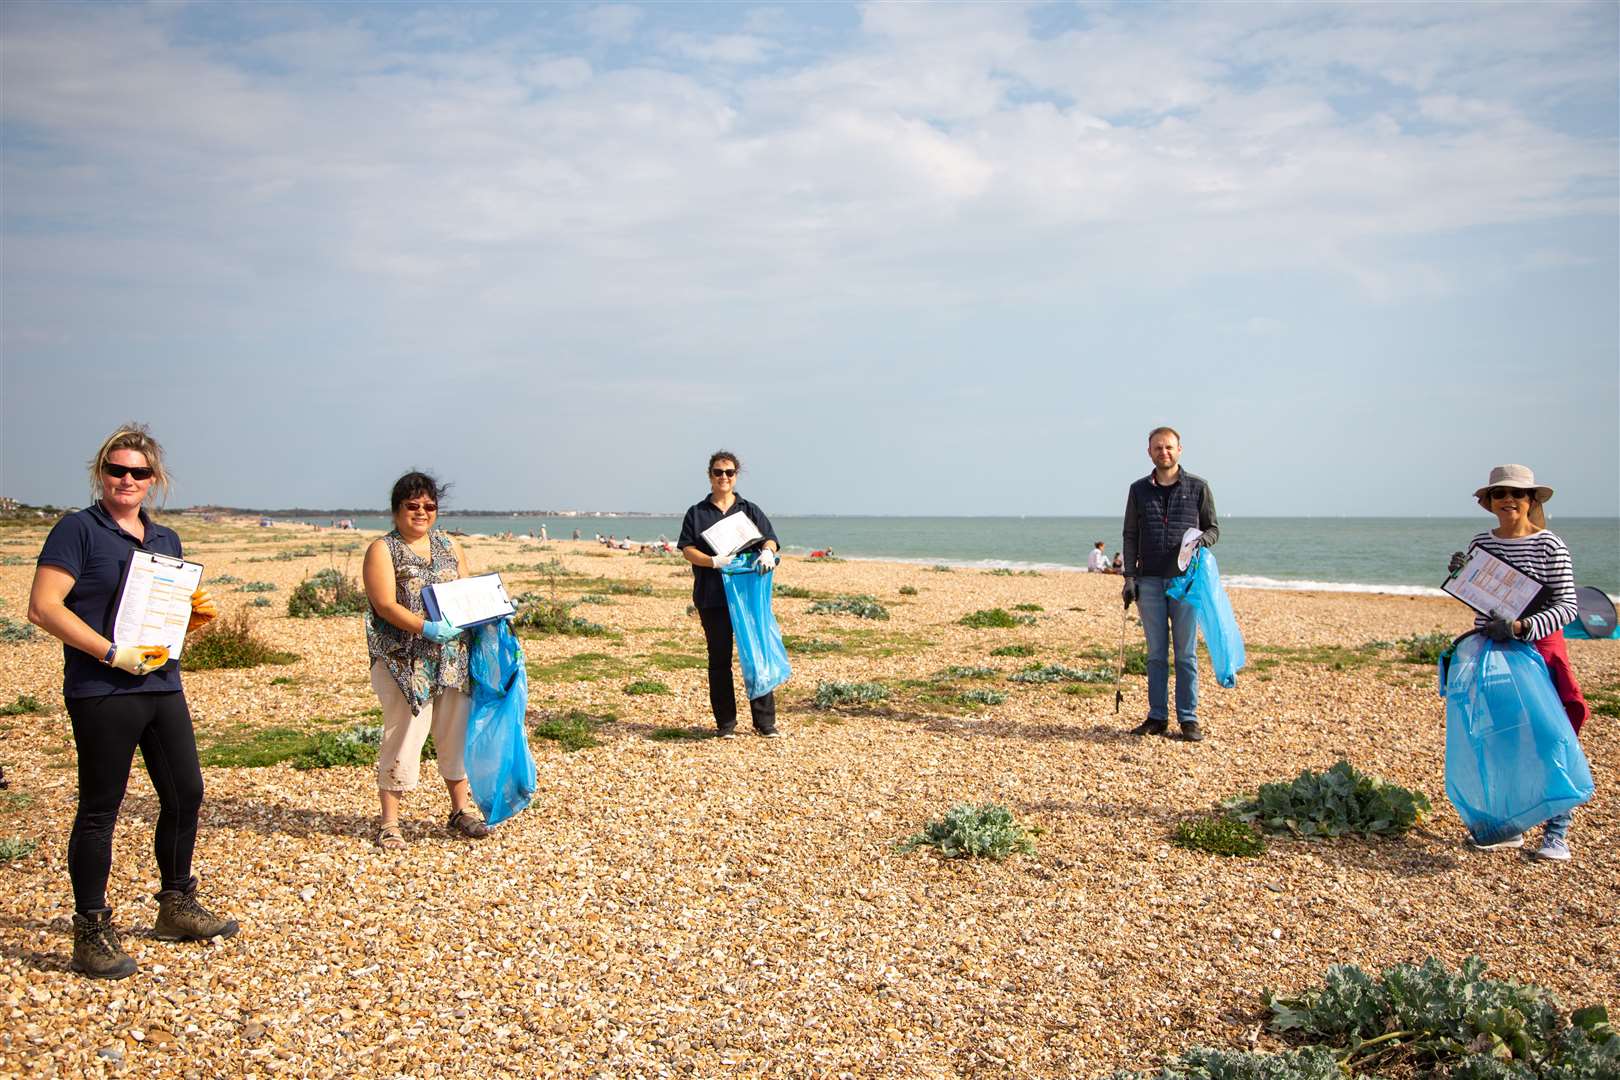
(708, 591)
(92, 547)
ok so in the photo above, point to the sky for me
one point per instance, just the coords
(901, 258)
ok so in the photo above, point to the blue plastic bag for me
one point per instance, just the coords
(1512, 758)
(1200, 586)
(759, 639)
(500, 769)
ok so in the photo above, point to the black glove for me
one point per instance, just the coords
(1203, 540)
(1458, 561)
(1499, 629)
(1129, 592)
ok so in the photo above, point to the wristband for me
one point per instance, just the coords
(112, 651)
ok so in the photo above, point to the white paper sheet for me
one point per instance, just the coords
(1188, 539)
(1492, 587)
(155, 604)
(731, 534)
(473, 600)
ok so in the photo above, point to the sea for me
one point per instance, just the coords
(1350, 554)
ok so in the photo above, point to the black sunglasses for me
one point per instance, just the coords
(118, 472)
(1509, 493)
(424, 507)
(717, 473)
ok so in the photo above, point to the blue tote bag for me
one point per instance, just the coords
(500, 769)
(1512, 758)
(1200, 586)
(759, 640)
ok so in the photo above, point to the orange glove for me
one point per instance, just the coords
(203, 610)
(139, 659)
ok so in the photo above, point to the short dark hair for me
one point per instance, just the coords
(414, 485)
(724, 455)
(1098, 544)
(1165, 431)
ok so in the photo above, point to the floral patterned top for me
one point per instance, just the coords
(420, 667)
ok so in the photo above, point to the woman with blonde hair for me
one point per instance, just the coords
(120, 697)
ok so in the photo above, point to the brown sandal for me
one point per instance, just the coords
(468, 823)
(389, 838)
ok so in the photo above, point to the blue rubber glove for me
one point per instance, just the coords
(767, 561)
(441, 631)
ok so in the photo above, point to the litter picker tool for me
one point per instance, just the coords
(1119, 666)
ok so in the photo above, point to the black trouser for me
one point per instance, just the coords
(722, 694)
(106, 731)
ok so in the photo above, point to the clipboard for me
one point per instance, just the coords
(1492, 587)
(468, 602)
(731, 534)
(154, 601)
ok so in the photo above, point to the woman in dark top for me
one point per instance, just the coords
(709, 592)
(120, 697)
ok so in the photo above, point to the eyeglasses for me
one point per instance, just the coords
(1508, 493)
(420, 507)
(118, 472)
(718, 473)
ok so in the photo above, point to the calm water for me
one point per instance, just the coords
(1389, 554)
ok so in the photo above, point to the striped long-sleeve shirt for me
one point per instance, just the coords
(1545, 557)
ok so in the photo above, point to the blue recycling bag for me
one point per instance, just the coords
(1200, 586)
(1512, 758)
(500, 769)
(759, 639)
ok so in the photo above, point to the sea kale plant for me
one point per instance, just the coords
(832, 694)
(1337, 802)
(989, 831)
(862, 607)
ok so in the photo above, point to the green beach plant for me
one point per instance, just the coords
(968, 671)
(862, 607)
(791, 592)
(908, 590)
(810, 646)
(572, 730)
(1014, 650)
(257, 587)
(831, 694)
(1054, 673)
(553, 617)
(13, 848)
(14, 633)
(995, 619)
(25, 705)
(981, 696)
(1218, 835)
(1424, 648)
(1336, 802)
(326, 593)
(230, 642)
(988, 831)
(643, 687)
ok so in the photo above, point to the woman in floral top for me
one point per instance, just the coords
(418, 667)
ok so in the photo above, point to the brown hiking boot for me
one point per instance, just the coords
(96, 951)
(181, 918)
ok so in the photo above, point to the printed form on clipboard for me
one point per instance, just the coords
(1492, 587)
(731, 534)
(468, 602)
(154, 602)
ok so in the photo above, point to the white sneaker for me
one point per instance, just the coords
(1555, 848)
(1514, 841)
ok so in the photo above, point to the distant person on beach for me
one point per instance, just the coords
(120, 697)
(576, 534)
(822, 553)
(1097, 561)
(709, 591)
(1161, 507)
(1118, 565)
(1522, 540)
(418, 667)
(543, 536)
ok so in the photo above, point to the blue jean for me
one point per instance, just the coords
(1557, 827)
(1163, 621)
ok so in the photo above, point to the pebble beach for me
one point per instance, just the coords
(675, 905)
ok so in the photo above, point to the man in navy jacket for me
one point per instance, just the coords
(1159, 510)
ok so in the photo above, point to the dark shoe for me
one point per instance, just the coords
(96, 951)
(773, 733)
(1151, 726)
(726, 733)
(181, 918)
(469, 824)
(1191, 732)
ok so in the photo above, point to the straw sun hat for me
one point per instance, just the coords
(1521, 478)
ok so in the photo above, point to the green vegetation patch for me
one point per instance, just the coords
(260, 602)
(1202, 1063)
(572, 730)
(832, 694)
(1336, 802)
(792, 592)
(1055, 673)
(1014, 650)
(257, 587)
(327, 593)
(646, 686)
(226, 579)
(13, 848)
(981, 697)
(229, 642)
(1219, 835)
(679, 734)
(1336, 657)
(1604, 702)
(13, 632)
(1003, 571)
(862, 607)
(671, 661)
(908, 590)
(581, 667)
(538, 615)
(968, 671)
(1028, 607)
(1424, 648)
(595, 598)
(995, 619)
(25, 705)
(988, 831)
(334, 749)
(809, 645)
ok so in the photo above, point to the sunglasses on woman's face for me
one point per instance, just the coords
(118, 472)
(421, 507)
(1509, 493)
(718, 473)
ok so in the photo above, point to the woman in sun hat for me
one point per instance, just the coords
(1522, 540)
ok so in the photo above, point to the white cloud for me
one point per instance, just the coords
(740, 49)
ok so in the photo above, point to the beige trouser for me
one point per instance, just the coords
(399, 759)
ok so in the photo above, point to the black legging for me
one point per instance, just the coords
(722, 694)
(106, 731)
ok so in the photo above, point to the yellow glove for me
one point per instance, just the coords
(140, 659)
(203, 610)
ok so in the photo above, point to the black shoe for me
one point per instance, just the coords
(1191, 732)
(1151, 726)
(726, 733)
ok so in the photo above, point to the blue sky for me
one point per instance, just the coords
(916, 258)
